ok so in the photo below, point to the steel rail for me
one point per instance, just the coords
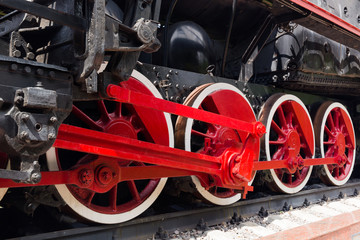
(146, 227)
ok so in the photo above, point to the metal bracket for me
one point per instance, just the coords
(95, 46)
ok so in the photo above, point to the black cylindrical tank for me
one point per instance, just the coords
(215, 15)
(189, 47)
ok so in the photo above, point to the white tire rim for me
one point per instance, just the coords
(323, 122)
(94, 216)
(187, 140)
(278, 182)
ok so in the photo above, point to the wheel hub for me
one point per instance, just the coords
(292, 146)
(121, 127)
(222, 138)
(340, 143)
(104, 175)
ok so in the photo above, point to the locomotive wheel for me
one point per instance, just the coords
(127, 199)
(290, 135)
(335, 135)
(4, 163)
(212, 139)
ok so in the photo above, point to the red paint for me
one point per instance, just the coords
(327, 15)
(293, 142)
(127, 96)
(339, 142)
(230, 154)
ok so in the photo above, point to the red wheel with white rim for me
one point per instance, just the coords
(289, 135)
(4, 164)
(125, 200)
(335, 137)
(212, 139)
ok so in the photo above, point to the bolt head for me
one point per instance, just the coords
(17, 53)
(35, 177)
(86, 177)
(19, 100)
(104, 175)
(30, 55)
(53, 119)
(17, 43)
(25, 117)
(23, 135)
(51, 136)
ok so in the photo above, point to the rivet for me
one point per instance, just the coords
(52, 74)
(14, 67)
(40, 72)
(27, 69)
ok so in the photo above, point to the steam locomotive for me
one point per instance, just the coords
(102, 100)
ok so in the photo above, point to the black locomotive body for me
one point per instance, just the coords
(291, 65)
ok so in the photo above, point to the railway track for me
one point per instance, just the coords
(147, 227)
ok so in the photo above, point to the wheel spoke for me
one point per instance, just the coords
(281, 116)
(330, 121)
(89, 198)
(281, 142)
(86, 119)
(113, 198)
(297, 174)
(276, 128)
(289, 179)
(336, 172)
(342, 170)
(347, 159)
(330, 152)
(289, 120)
(118, 109)
(349, 146)
(280, 174)
(328, 132)
(105, 118)
(337, 119)
(197, 133)
(278, 154)
(133, 190)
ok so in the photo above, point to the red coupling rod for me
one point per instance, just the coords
(139, 99)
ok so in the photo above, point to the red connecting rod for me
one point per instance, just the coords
(127, 96)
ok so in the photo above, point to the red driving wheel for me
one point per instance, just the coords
(212, 139)
(289, 136)
(335, 136)
(125, 200)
